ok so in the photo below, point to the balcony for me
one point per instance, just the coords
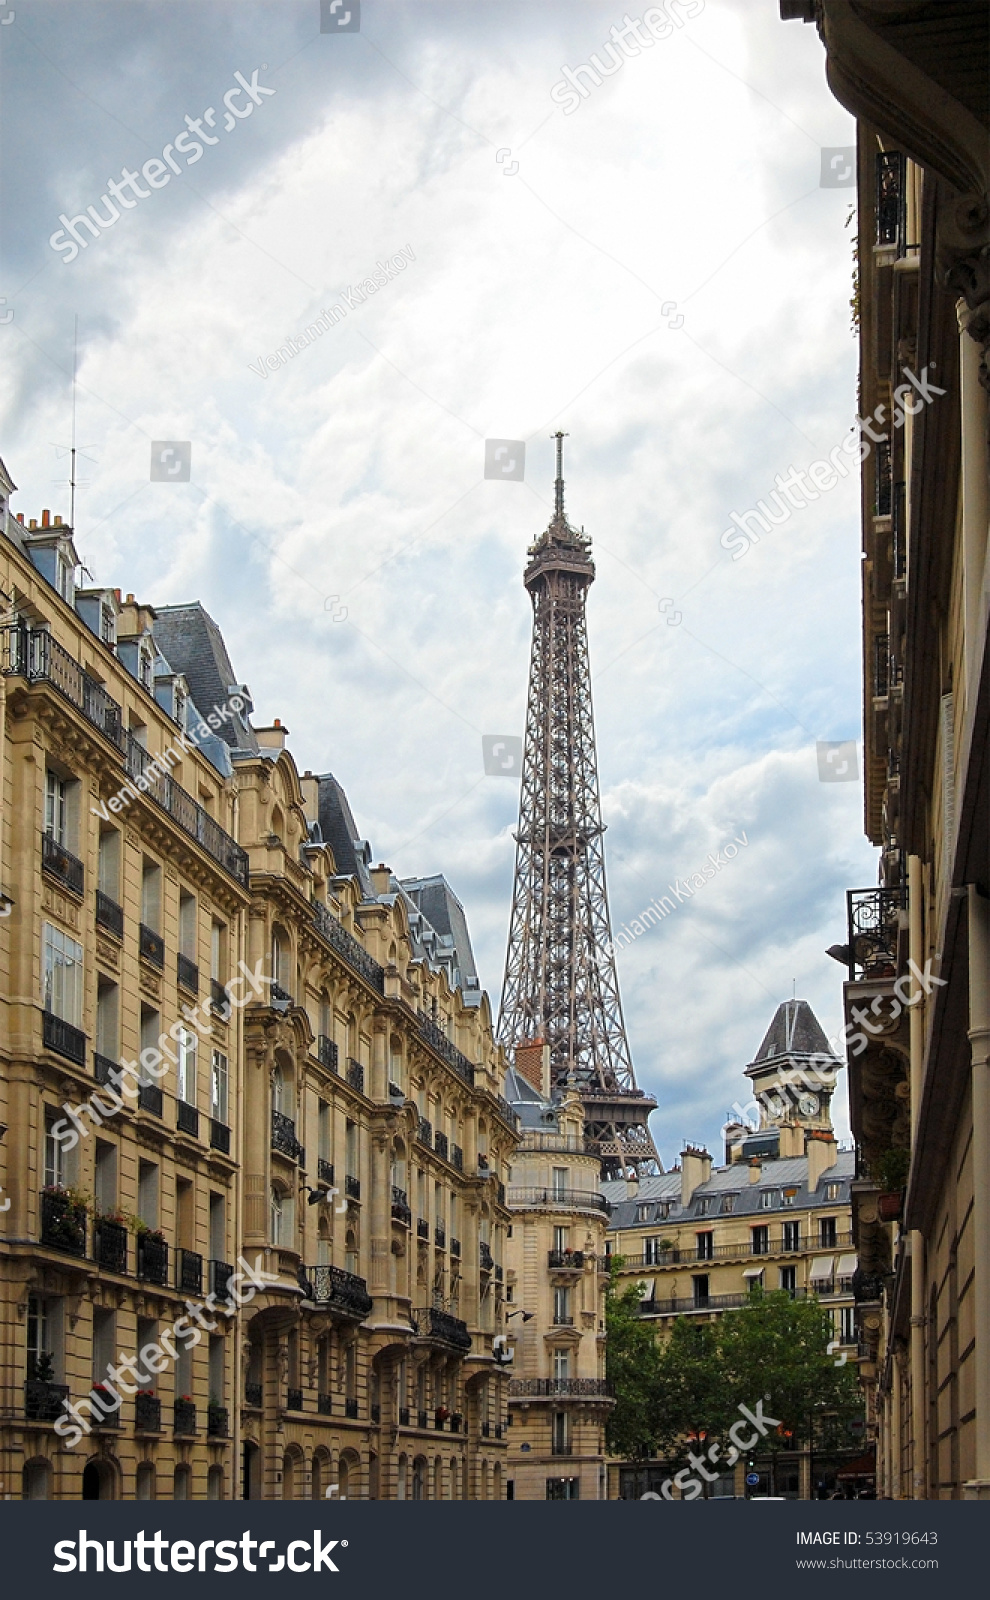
(147, 1413)
(324, 1171)
(566, 1260)
(151, 946)
(562, 1320)
(184, 810)
(63, 1038)
(400, 1206)
(109, 915)
(219, 1001)
(891, 201)
(153, 1258)
(424, 1132)
(254, 1395)
(278, 998)
(284, 1137)
(61, 865)
(184, 1417)
(221, 1273)
(150, 1098)
(441, 1046)
(441, 1144)
(63, 1222)
(403, 1416)
(110, 1245)
(324, 1405)
(293, 1400)
(355, 1075)
(560, 1389)
(422, 1419)
(455, 1248)
(340, 1291)
(217, 1422)
(105, 1070)
(44, 1402)
(422, 1228)
(351, 1407)
(190, 1276)
(558, 1200)
(741, 1251)
(327, 1053)
(187, 974)
(219, 1137)
(187, 1118)
(457, 1157)
(352, 1187)
(873, 918)
(346, 946)
(440, 1327)
(440, 1236)
(485, 1257)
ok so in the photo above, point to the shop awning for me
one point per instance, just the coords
(646, 1289)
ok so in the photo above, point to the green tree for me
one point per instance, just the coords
(631, 1366)
(689, 1394)
(776, 1349)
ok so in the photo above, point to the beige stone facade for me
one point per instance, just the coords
(555, 1288)
(918, 944)
(289, 1214)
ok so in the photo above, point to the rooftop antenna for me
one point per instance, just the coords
(558, 488)
(72, 451)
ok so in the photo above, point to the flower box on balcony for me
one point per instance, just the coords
(890, 1206)
(63, 1220)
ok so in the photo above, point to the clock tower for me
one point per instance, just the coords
(794, 1073)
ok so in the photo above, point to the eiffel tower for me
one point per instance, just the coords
(561, 991)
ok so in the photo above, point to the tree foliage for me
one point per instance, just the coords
(774, 1350)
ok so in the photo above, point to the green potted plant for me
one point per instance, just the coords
(889, 1172)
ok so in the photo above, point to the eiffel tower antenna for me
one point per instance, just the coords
(72, 448)
(561, 988)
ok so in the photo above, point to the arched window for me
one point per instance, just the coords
(401, 1484)
(324, 1244)
(37, 1480)
(351, 1253)
(144, 1483)
(182, 1483)
(278, 1088)
(277, 1216)
(419, 1478)
(292, 1468)
(214, 1483)
(321, 1479)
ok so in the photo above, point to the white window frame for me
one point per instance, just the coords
(188, 1049)
(61, 975)
(219, 1087)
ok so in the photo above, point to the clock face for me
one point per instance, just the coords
(776, 1108)
(808, 1105)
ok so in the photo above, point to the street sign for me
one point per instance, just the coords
(752, 1479)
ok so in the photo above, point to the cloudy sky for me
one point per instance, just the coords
(657, 271)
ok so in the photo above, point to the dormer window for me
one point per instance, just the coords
(728, 1202)
(180, 706)
(145, 664)
(703, 1207)
(108, 625)
(768, 1199)
(63, 574)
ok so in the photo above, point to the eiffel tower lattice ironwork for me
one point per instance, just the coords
(561, 987)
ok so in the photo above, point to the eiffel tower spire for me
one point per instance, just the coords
(561, 987)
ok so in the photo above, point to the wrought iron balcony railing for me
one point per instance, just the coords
(187, 973)
(44, 1402)
(219, 1136)
(105, 1070)
(485, 1256)
(254, 1395)
(190, 1274)
(872, 921)
(355, 1075)
(352, 1187)
(150, 1098)
(184, 1417)
(457, 1157)
(455, 1248)
(891, 200)
(566, 1260)
(221, 1273)
(441, 1045)
(151, 946)
(219, 1000)
(217, 1422)
(561, 1388)
(400, 1206)
(294, 1400)
(351, 1407)
(422, 1228)
(341, 1291)
(110, 1244)
(152, 1255)
(432, 1323)
(284, 1137)
(62, 865)
(348, 947)
(558, 1199)
(109, 915)
(147, 1413)
(324, 1405)
(440, 1236)
(324, 1171)
(424, 1132)
(63, 1222)
(187, 1118)
(278, 998)
(327, 1054)
(441, 1144)
(63, 1038)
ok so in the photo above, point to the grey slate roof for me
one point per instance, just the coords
(789, 1173)
(434, 907)
(351, 853)
(794, 1031)
(193, 644)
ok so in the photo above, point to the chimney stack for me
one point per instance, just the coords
(823, 1152)
(46, 518)
(696, 1169)
(791, 1140)
(533, 1063)
(755, 1169)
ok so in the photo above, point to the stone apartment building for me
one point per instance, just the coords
(777, 1215)
(291, 1208)
(559, 1399)
(917, 943)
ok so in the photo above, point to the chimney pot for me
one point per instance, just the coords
(46, 517)
(755, 1169)
(58, 522)
(20, 518)
(130, 599)
(33, 523)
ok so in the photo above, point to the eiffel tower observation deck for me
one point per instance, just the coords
(561, 1015)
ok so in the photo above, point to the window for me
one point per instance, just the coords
(847, 1324)
(787, 1198)
(832, 1191)
(728, 1204)
(145, 664)
(57, 1167)
(186, 1081)
(560, 1238)
(562, 1307)
(105, 1178)
(792, 1235)
(148, 1193)
(57, 808)
(651, 1251)
(768, 1199)
(561, 1365)
(788, 1279)
(218, 1087)
(703, 1207)
(218, 1227)
(560, 1435)
(706, 1246)
(43, 1340)
(761, 1240)
(277, 1202)
(217, 1386)
(826, 1231)
(107, 996)
(62, 975)
(104, 1342)
(700, 1288)
(560, 1177)
(642, 1213)
(187, 925)
(109, 864)
(218, 940)
(151, 895)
